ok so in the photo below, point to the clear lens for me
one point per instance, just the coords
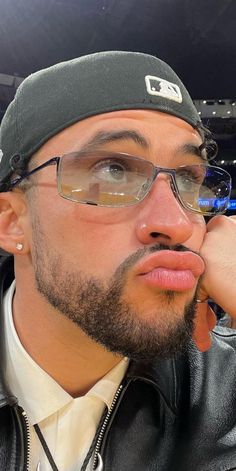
(203, 188)
(105, 178)
(116, 179)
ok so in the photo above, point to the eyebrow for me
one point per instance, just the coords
(106, 137)
(192, 149)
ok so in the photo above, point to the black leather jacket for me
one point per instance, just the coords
(177, 415)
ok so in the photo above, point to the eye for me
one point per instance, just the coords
(110, 171)
(190, 177)
(184, 181)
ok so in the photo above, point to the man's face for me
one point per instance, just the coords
(116, 272)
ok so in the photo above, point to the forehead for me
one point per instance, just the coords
(158, 129)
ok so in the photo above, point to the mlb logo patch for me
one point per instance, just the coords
(161, 87)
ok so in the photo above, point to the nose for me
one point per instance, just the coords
(161, 217)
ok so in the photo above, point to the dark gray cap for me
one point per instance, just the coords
(54, 98)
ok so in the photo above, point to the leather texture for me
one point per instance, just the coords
(192, 430)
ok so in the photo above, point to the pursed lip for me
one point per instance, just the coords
(172, 260)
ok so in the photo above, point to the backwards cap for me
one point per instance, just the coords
(54, 98)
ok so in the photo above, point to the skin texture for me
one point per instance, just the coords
(62, 239)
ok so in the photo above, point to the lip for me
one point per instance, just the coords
(171, 270)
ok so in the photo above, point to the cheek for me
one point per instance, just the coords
(198, 234)
(92, 240)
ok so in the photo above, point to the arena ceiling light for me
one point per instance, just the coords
(10, 80)
(218, 108)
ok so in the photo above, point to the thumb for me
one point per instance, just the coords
(205, 321)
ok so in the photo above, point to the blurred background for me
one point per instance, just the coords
(197, 38)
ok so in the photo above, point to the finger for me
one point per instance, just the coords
(205, 321)
(211, 318)
(217, 222)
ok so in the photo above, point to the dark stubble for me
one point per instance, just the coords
(100, 310)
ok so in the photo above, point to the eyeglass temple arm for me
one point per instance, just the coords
(53, 161)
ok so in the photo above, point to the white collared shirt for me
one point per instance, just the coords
(68, 424)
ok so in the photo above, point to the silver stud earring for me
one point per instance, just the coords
(19, 246)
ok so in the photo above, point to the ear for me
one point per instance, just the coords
(13, 216)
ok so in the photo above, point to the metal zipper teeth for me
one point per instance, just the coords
(103, 428)
(27, 426)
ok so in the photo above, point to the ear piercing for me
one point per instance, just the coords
(19, 246)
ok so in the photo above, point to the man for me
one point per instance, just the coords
(104, 188)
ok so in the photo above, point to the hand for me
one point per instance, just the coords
(219, 253)
(218, 283)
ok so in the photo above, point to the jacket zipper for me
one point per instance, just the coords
(24, 433)
(97, 457)
(98, 462)
(27, 429)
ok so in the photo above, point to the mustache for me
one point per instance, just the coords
(130, 261)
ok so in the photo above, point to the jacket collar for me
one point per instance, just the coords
(166, 376)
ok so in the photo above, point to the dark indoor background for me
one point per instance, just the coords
(197, 38)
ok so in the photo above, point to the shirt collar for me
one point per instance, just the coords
(106, 388)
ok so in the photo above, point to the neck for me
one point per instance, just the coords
(58, 345)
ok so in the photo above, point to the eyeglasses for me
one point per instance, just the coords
(114, 180)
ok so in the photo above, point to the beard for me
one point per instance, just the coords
(101, 311)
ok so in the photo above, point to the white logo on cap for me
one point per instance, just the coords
(1, 155)
(161, 87)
